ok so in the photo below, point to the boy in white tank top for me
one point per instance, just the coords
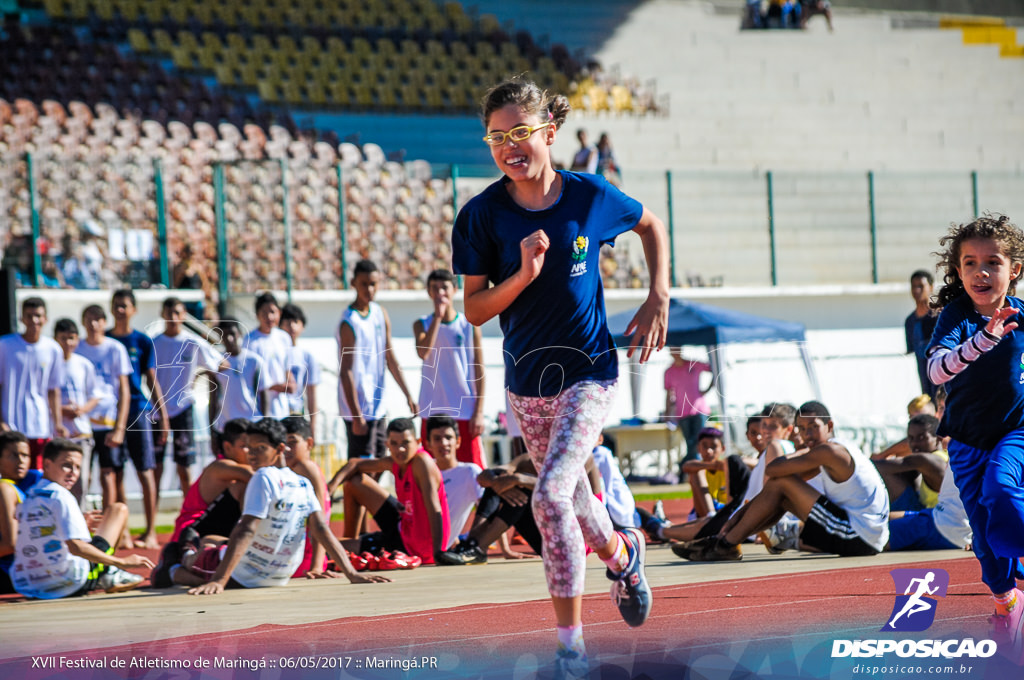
(452, 380)
(848, 517)
(364, 351)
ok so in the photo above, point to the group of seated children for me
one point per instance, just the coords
(809, 490)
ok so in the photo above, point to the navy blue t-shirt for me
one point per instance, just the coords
(142, 355)
(985, 401)
(556, 333)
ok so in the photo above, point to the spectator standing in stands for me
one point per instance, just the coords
(808, 8)
(31, 373)
(452, 381)
(585, 159)
(919, 325)
(188, 275)
(364, 349)
(607, 166)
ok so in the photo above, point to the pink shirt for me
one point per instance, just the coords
(684, 382)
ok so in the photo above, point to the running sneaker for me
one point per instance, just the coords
(715, 550)
(688, 548)
(659, 511)
(358, 562)
(115, 580)
(630, 592)
(1007, 631)
(467, 552)
(406, 561)
(781, 537)
(570, 664)
(169, 556)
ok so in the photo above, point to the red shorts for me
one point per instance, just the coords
(35, 449)
(207, 561)
(471, 449)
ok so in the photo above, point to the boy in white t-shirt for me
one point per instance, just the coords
(272, 345)
(31, 372)
(80, 393)
(55, 556)
(302, 366)
(237, 394)
(267, 544)
(180, 356)
(109, 419)
(460, 486)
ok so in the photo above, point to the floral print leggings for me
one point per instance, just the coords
(560, 433)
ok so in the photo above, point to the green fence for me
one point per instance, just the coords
(277, 224)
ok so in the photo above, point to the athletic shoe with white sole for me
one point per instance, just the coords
(115, 580)
(570, 665)
(1008, 631)
(630, 592)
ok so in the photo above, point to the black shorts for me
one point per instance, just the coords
(220, 516)
(138, 441)
(373, 444)
(181, 438)
(109, 456)
(95, 569)
(389, 537)
(828, 529)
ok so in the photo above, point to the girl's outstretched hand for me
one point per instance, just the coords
(649, 327)
(532, 249)
(997, 325)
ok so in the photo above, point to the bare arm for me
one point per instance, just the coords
(116, 436)
(900, 448)
(53, 398)
(426, 337)
(347, 347)
(428, 485)
(358, 466)
(476, 424)
(87, 550)
(484, 302)
(930, 466)
(158, 397)
(648, 327)
(835, 459)
(8, 520)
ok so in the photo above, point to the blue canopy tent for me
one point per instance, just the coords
(695, 324)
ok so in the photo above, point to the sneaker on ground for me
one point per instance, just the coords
(688, 548)
(715, 550)
(1007, 631)
(161, 575)
(465, 553)
(659, 511)
(570, 665)
(406, 561)
(115, 580)
(630, 592)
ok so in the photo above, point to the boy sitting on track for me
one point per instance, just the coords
(416, 522)
(55, 556)
(266, 546)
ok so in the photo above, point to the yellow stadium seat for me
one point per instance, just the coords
(269, 92)
(138, 40)
(56, 8)
(340, 94)
(316, 93)
(162, 41)
(489, 24)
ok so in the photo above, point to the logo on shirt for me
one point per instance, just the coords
(51, 546)
(1021, 378)
(579, 256)
(39, 532)
(914, 610)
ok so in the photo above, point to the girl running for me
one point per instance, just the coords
(529, 247)
(975, 350)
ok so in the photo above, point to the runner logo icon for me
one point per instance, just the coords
(914, 609)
